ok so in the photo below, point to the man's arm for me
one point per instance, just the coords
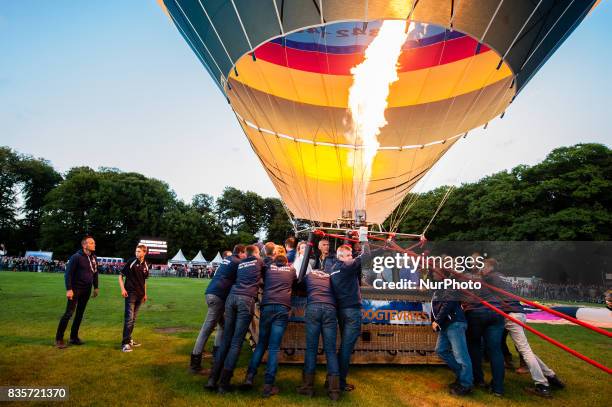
(124, 293)
(144, 299)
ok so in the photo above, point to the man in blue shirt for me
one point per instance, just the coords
(290, 245)
(239, 309)
(216, 293)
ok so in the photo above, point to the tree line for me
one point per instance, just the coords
(567, 196)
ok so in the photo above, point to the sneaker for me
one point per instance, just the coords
(60, 344)
(555, 383)
(134, 344)
(76, 341)
(126, 348)
(539, 390)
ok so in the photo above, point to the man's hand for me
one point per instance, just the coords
(69, 294)
(435, 326)
(96, 292)
(124, 293)
(144, 299)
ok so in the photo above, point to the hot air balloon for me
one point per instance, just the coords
(285, 67)
(349, 103)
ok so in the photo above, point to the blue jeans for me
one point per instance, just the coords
(132, 305)
(349, 320)
(272, 324)
(238, 315)
(452, 348)
(321, 320)
(484, 324)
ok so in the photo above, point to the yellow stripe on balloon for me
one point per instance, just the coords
(413, 87)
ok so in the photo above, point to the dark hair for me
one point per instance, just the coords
(281, 258)
(84, 239)
(269, 248)
(252, 249)
(239, 248)
(143, 247)
(291, 242)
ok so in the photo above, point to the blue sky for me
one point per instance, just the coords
(111, 83)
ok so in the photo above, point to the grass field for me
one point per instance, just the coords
(156, 373)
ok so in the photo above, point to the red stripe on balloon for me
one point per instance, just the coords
(340, 64)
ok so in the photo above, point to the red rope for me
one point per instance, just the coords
(552, 311)
(500, 312)
(541, 335)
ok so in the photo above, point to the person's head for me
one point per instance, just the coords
(344, 253)
(226, 254)
(269, 249)
(324, 246)
(301, 248)
(278, 250)
(356, 248)
(281, 260)
(88, 244)
(252, 251)
(240, 251)
(141, 251)
(489, 266)
(290, 243)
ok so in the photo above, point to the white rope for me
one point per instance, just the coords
(217, 33)
(242, 25)
(546, 35)
(280, 23)
(522, 28)
(491, 21)
(200, 38)
(442, 202)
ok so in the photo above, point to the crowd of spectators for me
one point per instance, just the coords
(33, 264)
(560, 292)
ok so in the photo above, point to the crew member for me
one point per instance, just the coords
(290, 245)
(134, 290)
(279, 279)
(321, 320)
(239, 309)
(81, 273)
(216, 293)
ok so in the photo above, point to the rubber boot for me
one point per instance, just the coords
(307, 387)
(195, 366)
(224, 381)
(333, 387)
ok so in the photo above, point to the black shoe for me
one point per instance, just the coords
(76, 341)
(539, 390)
(459, 390)
(453, 384)
(224, 381)
(482, 386)
(248, 381)
(555, 383)
(347, 387)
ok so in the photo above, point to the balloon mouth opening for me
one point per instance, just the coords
(291, 97)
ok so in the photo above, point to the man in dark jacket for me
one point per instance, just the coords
(239, 309)
(345, 280)
(325, 260)
(81, 273)
(290, 246)
(216, 293)
(279, 279)
(134, 290)
(449, 321)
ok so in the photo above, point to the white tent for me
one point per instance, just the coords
(218, 259)
(199, 259)
(179, 258)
